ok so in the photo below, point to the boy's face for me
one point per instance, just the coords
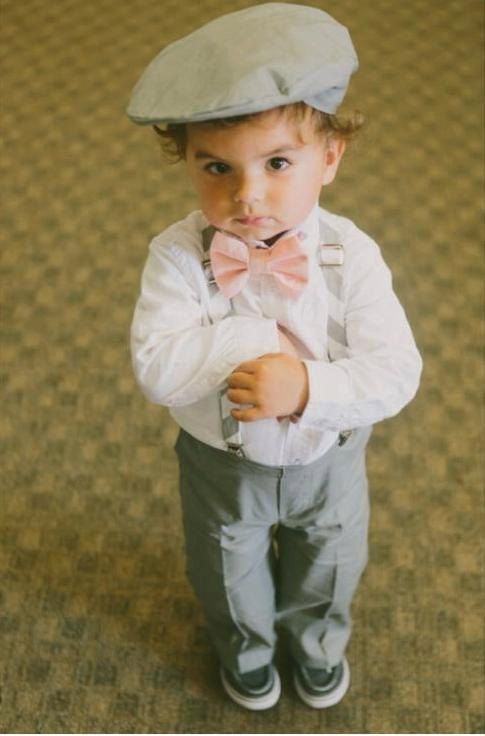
(262, 176)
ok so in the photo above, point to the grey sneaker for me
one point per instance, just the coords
(320, 688)
(256, 690)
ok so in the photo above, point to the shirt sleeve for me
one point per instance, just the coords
(381, 372)
(177, 357)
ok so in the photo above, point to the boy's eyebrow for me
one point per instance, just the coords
(204, 154)
(281, 149)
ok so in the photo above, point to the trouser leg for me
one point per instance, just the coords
(322, 553)
(227, 517)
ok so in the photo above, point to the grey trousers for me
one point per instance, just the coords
(274, 546)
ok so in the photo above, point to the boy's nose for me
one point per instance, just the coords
(248, 189)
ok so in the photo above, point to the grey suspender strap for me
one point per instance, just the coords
(331, 259)
(231, 430)
(207, 235)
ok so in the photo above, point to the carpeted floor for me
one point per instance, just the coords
(100, 631)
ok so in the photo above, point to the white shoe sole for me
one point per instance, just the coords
(257, 703)
(325, 701)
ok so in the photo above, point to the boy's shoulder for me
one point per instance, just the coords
(185, 234)
(354, 240)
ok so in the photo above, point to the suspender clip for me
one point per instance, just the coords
(331, 254)
(207, 269)
(235, 449)
(344, 436)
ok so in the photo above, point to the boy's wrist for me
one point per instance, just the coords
(305, 390)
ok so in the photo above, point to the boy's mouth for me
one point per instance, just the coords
(253, 221)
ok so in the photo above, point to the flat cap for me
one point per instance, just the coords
(249, 61)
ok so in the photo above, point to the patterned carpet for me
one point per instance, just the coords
(99, 629)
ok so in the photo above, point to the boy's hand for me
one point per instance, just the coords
(275, 385)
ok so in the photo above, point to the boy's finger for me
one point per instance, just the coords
(247, 415)
(250, 366)
(240, 396)
(240, 379)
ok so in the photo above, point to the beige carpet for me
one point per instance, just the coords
(99, 629)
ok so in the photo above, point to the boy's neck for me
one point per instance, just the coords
(271, 241)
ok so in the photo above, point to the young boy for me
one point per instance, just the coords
(270, 328)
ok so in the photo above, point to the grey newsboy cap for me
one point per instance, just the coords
(252, 60)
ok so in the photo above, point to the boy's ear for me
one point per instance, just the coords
(334, 150)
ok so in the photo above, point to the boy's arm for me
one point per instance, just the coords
(378, 378)
(177, 360)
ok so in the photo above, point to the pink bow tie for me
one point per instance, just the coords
(233, 263)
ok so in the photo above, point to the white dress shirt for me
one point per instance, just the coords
(187, 338)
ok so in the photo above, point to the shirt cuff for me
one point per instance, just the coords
(330, 393)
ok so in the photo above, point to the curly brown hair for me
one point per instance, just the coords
(173, 137)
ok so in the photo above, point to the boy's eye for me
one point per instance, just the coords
(278, 164)
(217, 167)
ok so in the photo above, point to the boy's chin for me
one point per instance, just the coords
(264, 231)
